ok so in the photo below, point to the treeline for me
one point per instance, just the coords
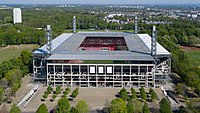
(185, 31)
(181, 64)
(18, 34)
(12, 71)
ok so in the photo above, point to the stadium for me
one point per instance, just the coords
(102, 59)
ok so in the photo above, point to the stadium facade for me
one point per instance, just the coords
(102, 59)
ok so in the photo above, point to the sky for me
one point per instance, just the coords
(99, 1)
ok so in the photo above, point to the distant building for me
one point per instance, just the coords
(17, 15)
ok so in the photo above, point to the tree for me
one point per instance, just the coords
(58, 89)
(165, 106)
(181, 88)
(134, 106)
(63, 106)
(174, 39)
(53, 97)
(130, 107)
(153, 94)
(145, 108)
(72, 110)
(118, 106)
(123, 94)
(75, 93)
(82, 107)
(193, 41)
(49, 89)
(67, 90)
(45, 96)
(42, 109)
(26, 57)
(14, 76)
(143, 93)
(15, 109)
(184, 40)
(134, 94)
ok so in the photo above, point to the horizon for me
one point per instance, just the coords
(89, 4)
(103, 2)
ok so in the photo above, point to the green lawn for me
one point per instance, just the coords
(9, 52)
(194, 56)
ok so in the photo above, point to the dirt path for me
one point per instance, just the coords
(188, 48)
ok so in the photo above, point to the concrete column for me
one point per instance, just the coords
(71, 75)
(54, 74)
(63, 78)
(47, 76)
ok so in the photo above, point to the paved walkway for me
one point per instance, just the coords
(96, 98)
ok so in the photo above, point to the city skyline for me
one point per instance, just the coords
(99, 2)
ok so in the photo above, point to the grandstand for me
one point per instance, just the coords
(102, 59)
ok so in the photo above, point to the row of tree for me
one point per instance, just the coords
(136, 106)
(57, 91)
(63, 106)
(186, 32)
(12, 71)
(18, 34)
(143, 95)
(181, 64)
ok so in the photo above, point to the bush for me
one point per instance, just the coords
(75, 93)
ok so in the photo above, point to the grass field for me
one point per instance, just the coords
(194, 56)
(14, 51)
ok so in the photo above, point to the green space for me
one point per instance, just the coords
(10, 52)
(194, 56)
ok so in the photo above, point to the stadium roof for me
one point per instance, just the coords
(65, 47)
(101, 55)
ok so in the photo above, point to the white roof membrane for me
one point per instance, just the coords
(147, 40)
